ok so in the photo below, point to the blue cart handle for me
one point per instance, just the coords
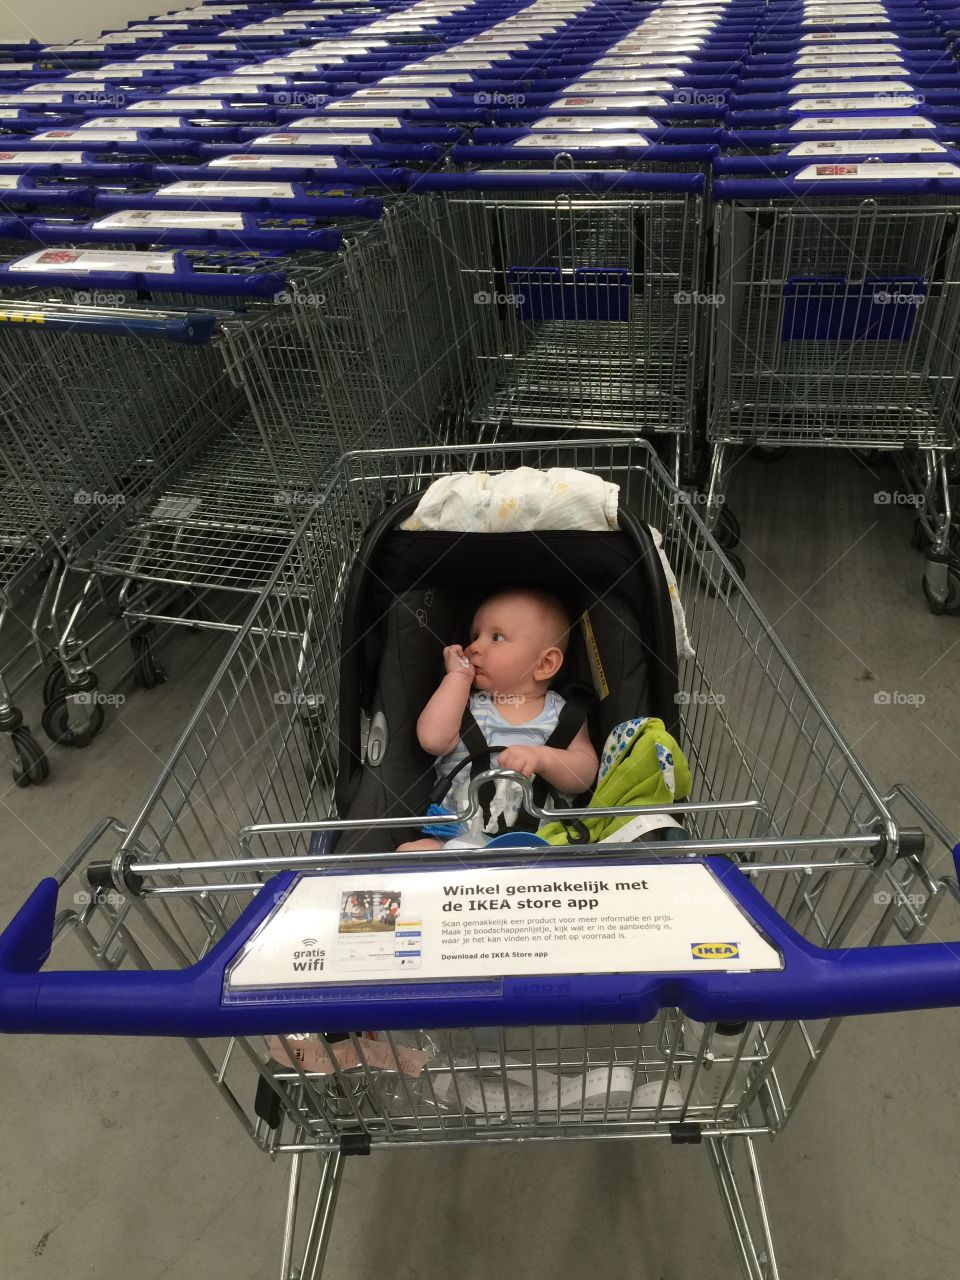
(560, 180)
(813, 983)
(187, 328)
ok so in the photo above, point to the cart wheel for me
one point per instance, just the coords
(770, 452)
(919, 539)
(952, 603)
(727, 532)
(32, 767)
(146, 673)
(56, 724)
(55, 684)
(737, 565)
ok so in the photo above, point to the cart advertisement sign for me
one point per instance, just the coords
(478, 923)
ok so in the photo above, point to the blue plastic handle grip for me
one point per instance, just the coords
(789, 188)
(283, 240)
(613, 180)
(813, 983)
(258, 284)
(194, 329)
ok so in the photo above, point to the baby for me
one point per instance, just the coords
(517, 644)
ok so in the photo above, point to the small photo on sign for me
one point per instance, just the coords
(368, 911)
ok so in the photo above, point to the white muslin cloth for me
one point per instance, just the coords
(511, 501)
(526, 499)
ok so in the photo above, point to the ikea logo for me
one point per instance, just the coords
(715, 950)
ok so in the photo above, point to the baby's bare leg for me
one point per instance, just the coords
(428, 843)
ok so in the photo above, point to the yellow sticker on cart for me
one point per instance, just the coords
(593, 656)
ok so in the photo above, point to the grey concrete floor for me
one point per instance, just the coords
(120, 1162)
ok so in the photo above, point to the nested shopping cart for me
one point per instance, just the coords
(837, 324)
(206, 394)
(584, 291)
(217, 913)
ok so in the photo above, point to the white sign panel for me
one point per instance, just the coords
(498, 922)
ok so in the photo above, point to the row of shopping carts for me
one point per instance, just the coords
(281, 269)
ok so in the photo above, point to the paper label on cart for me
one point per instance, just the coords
(313, 140)
(395, 93)
(398, 104)
(848, 20)
(243, 160)
(583, 140)
(76, 260)
(414, 79)
(615, 104)
(179, 104)
(31, 158)
(171, 218)
(892, 101)
(846, 73)
(875, 147)
(898, 87)
(9, 181)
(87, 135)
(143, 122)
(845, 39)
(617, 88)
(853, 57)
(652, 78)
(595, 122)
(853, 123)
(471, 64)
(192, 187)
(361, 122)
(877, 172)
(499, 922)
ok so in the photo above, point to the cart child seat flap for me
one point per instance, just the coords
(411, 593)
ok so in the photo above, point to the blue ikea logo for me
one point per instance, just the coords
(715, 950)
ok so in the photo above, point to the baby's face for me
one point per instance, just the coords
(509, 635)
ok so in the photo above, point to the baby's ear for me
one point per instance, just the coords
(551, 660)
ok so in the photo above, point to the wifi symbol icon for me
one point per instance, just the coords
(309, 942)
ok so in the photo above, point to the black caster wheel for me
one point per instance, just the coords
(727, 531)
(770, 452)
(32, 767)
(737, 565)
(919, 539)
(952, 602)
(56, 724)
(146, 673)
(55, 684)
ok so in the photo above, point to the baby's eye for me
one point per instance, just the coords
(498, 635)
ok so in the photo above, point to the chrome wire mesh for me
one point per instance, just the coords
(261, 747)
(878, 283)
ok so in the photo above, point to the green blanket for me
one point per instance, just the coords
(641, 764)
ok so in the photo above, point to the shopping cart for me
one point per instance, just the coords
(273, 365)
(584, 294)
(785, 830)
(838, 300)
